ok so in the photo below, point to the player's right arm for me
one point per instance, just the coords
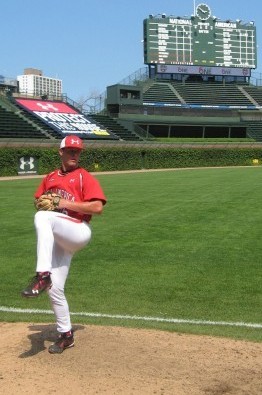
(41, 188)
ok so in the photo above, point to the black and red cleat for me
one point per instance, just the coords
(65, 340)
(37, 285)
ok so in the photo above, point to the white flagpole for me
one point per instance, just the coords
(194, 5)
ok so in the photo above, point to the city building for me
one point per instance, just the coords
(34, 83)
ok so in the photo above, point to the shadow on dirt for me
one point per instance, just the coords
(41, 334)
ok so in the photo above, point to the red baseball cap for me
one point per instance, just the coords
(72, 142)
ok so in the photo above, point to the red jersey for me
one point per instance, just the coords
(77, 186)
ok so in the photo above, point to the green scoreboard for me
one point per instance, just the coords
(199, 40)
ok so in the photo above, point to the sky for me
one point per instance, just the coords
(91, 44)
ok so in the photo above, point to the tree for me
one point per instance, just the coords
(91, 103)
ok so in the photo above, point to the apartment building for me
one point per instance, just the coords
(34, 83)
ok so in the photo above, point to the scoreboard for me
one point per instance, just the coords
(199, 40)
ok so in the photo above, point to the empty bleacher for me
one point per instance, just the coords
(44, 127)
(254, 130)
(255, 92)
(165, 102)
(17, 123)
(13, 126)
(111, 124)
(196, 93)
(160, 92)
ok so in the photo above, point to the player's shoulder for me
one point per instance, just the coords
(86, 176)
(83, 171)
(52, 173)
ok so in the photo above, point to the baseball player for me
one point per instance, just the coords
(66, 200)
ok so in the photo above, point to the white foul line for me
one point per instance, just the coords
(136, 318)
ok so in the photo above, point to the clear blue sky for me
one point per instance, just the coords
(90, 44)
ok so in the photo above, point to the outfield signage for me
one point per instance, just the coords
(27, 165)
(204, 70)
(63, 118)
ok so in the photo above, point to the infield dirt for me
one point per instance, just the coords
(114, 360)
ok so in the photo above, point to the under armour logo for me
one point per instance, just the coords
(75, 141)
(47, 106)
(27, 162)
(35, 291)
(72, 180)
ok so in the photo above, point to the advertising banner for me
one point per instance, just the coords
(63, 118)
(27, 165)
(204, 70)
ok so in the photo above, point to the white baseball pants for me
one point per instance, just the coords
(58, 238)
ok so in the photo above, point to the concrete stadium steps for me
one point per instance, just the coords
(196, 93)
(45, 129)
(255, 92)
(13, 126)
(162, 93)
(254, 130)
(106, 122)
(18, 123)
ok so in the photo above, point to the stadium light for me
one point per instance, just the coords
(163, 15)
(251, 23)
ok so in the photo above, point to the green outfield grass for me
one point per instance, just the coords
(180, 245)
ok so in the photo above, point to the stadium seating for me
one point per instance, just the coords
(107, 122)
(255, 92)
(161, 93)
(174, 108)
(254, 130)
(197, 93)
(215, 94)
(167, 108)
(17, 123)
(12, 125)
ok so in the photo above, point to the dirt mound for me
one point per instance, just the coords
(114, 360)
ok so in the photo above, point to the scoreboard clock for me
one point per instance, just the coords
(203, 12)
(201, 40)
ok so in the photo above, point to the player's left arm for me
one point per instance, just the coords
(92, 197)
(95, 206)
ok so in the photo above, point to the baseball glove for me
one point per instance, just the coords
(47, 202)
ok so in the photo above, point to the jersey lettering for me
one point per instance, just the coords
(76, 186)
